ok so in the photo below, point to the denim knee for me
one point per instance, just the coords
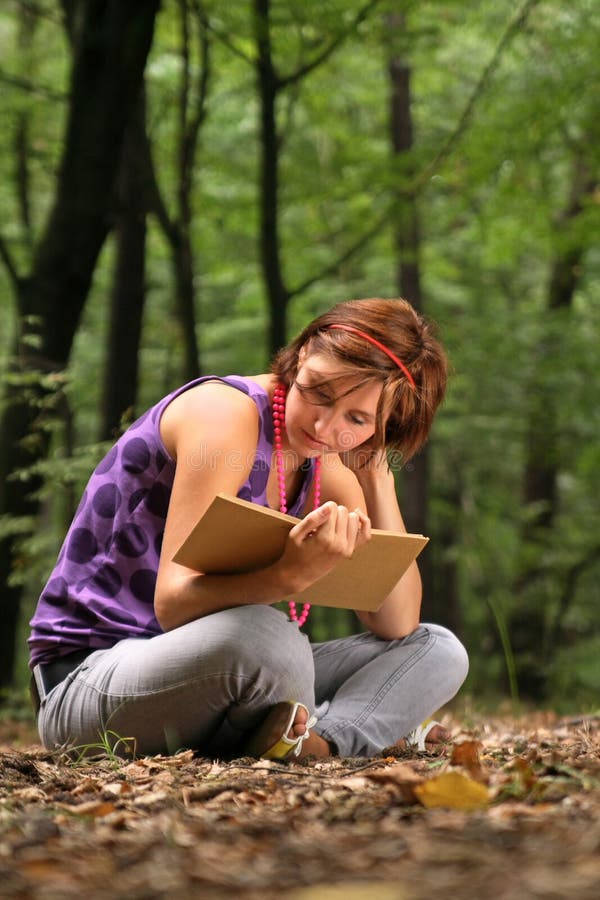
(263, 640)
(450, 658)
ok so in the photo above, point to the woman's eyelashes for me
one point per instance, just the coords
(356, 420)
(316, 395)
(321, 397)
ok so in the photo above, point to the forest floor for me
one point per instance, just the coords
(509, 809)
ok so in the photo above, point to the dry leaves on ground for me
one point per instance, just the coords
(509, 809)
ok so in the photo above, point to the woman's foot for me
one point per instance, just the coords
(278, 734)
(438, 735)
(314, 744)
(426, 736)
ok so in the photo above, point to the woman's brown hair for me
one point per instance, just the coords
(405, 413)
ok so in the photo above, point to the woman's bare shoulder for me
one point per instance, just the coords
(213, 410)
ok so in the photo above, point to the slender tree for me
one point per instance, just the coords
(406, 230)
(110, 51)
(192, 97)
(437, 565)
(129, 282)
(271, 83)
(27, 26)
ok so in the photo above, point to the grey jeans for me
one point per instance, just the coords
(206, 684)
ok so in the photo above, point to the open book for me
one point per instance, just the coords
(235, 536)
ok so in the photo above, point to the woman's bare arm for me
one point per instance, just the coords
(372, 488)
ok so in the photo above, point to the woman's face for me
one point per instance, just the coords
(325, 411)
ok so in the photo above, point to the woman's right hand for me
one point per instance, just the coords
(319, 542)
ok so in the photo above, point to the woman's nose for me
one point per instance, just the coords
(324, 424)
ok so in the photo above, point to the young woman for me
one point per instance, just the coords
(126, 641)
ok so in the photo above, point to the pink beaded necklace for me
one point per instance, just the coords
(279, 395)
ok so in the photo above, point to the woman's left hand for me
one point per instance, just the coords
(365, 461)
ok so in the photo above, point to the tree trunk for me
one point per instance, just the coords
(129, 288)
(530, 626)
(407, 240)
(110, 55)
(268, 86)
(178, 233)
(27, 26)
(415, 476)
(186, 305)
(177, 228)
(192, 113)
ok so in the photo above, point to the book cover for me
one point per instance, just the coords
(235, 536)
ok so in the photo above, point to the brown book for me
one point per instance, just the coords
(235, 536)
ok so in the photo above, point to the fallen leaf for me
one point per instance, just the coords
(399, 774)
(152, 799)
(466, 754)
(47, 870)
(402, 777)
(179, 759)
(354, 782)
(118, 788)
(136, 771)
(95, 808)
(30, 794)
(349, 891)
(452, 790)
(87, 786)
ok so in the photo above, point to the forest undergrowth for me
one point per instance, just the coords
(509, 808)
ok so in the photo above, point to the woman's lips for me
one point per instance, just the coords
(313, 441)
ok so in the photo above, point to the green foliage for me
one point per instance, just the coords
(492, 225)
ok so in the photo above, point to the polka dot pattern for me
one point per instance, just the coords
(142, 584)
(106, 581)
(131, 540)
(102, 588)
(135, 456)
(82, 546)
(261, 477)
(108, 462)
(136, 498)
(106, 501)
(119, 615)
(157, 501)
(57, 592)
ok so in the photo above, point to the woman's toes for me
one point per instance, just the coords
(299, 726)
(438, 735)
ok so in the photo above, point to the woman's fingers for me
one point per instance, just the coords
(364, 531)
(340, 530)
(322, 539)
(314, 521)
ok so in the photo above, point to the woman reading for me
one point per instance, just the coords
(128, 641)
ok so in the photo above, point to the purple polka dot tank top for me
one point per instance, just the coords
(102, 587)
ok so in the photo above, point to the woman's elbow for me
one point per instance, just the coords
(169, 603)
(390, 629)
(163, 613)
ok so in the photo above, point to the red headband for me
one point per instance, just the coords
(381, 347)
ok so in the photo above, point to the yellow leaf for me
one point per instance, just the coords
(452, 790)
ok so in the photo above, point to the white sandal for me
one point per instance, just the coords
(271, 741)
(417, 737)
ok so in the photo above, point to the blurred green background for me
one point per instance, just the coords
(184, 185)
